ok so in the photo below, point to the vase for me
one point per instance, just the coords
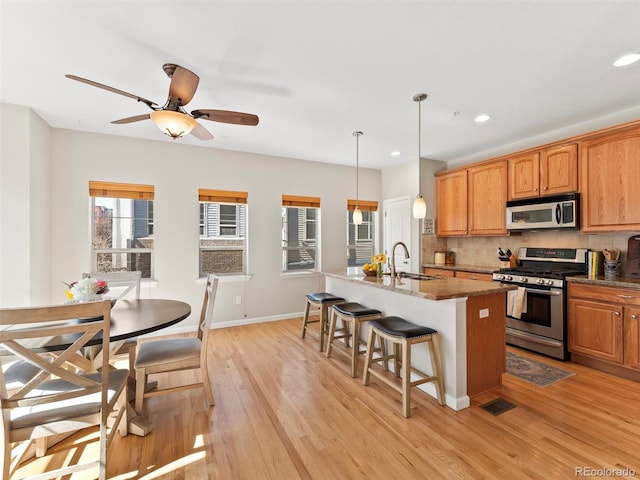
(379, 270)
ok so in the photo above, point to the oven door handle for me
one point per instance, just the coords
(550, 293)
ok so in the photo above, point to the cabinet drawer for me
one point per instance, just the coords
(485, 277)
(438, 272)
(620, 296)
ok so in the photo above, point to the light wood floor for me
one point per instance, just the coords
(284, 411)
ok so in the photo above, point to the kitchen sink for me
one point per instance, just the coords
(416, 276)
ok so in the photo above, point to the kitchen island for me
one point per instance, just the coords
(469, 316)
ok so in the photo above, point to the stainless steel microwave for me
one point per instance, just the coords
(544, 213)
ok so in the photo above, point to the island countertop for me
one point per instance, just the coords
(435, 289)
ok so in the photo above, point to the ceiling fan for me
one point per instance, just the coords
(171, 118)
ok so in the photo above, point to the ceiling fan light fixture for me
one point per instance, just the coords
(172, 123)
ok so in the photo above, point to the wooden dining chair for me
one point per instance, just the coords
(57, 399)
(123, 284)
(175, 354)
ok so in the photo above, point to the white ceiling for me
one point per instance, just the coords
(314, 72)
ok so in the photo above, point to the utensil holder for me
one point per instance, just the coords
(611, 268)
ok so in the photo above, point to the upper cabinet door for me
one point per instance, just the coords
(524, 176)
(488, 198)
(451, 204)
(559, 170)
(610, 182)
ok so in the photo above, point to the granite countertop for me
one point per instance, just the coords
(436, 289)
(620, 282)
(464, 268)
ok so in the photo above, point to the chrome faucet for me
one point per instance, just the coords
(393, 257)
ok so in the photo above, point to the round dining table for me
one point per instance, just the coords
(129, 319)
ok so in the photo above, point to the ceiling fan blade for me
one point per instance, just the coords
(183, 84)
(135, 118)
(225, 116)
(201, 133)
(111, 89)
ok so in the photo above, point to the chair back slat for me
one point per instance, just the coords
(206, 314)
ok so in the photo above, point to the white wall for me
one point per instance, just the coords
(402, 180)
(24, 213)
(177, 171)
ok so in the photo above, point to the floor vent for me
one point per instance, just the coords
(498, 406)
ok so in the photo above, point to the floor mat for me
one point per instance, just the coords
(498, 406)
(537, 373)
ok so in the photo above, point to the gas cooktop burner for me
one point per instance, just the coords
(544, 273)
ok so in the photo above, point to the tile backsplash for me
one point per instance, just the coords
(481, 251)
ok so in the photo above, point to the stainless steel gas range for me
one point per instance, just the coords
(541, 326)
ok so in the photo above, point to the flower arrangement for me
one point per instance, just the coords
(87, 290)
(379, 258)
(376, 265)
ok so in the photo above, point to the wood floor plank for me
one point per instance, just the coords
(284, 411)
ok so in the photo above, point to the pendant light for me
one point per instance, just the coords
(419, 205)
(357, 213)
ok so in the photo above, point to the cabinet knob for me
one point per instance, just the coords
(617, 314)
(546, 188)
(634, 316)
(535, 189)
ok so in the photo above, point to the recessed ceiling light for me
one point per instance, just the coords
(395, 154)
(627, 60)
(481, 118)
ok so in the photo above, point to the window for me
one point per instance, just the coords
(223, 219)
(300, 233)
(122, 227)
(360, 238)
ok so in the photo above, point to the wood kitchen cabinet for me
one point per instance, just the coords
(472, 201)
(610, 181)
(604, 325)
(451, 203)
(485, 277)
(448, 273)
(438, 272)
(550, 171)
(487, 196)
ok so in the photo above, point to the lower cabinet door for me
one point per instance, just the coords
(632, 337)
(596, 330)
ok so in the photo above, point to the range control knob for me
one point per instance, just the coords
(540, 281)
(508, 277)
(549, 282)
(524, 279)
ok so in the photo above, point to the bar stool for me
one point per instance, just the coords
(403, 335)
(323, 301)
(351, 314)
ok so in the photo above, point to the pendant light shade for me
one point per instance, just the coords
(357, 216)
(419, 205)
(357, 213)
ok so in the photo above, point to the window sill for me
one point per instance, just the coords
(301, 273)
(225, 278)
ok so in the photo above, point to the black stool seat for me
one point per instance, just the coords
(353, 309)
(322, 297)
(399, 327)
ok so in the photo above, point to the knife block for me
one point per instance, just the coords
(633, 258)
